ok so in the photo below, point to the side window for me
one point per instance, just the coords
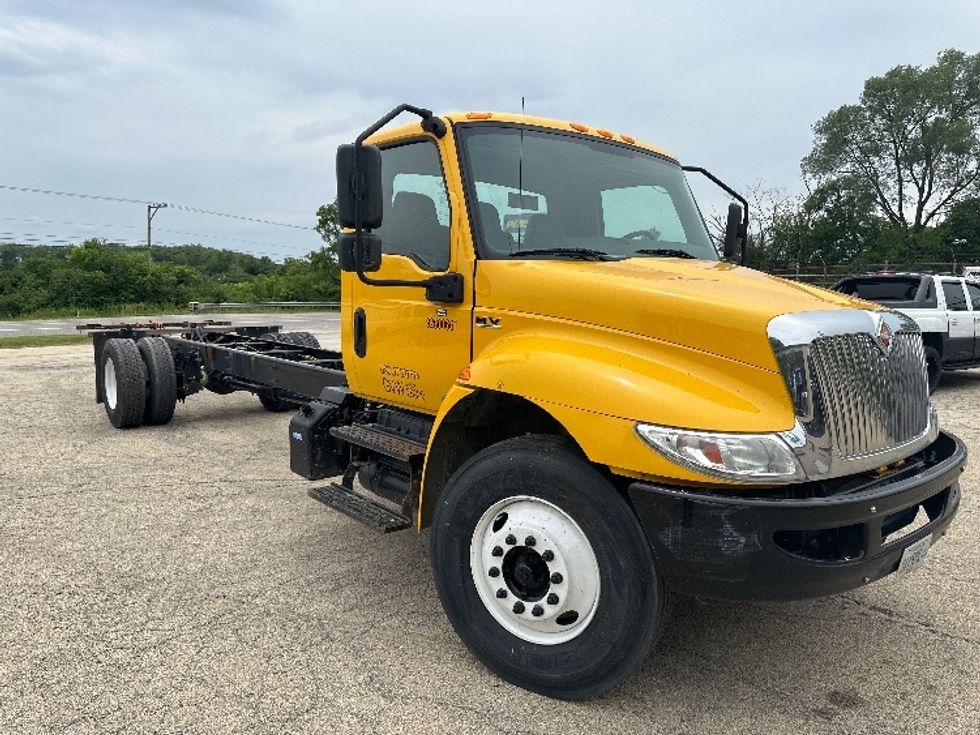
(641, 209)
(955, 298)
(974, 291)
(416, 205)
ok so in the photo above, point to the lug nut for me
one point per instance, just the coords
(537, 611)
(556, 578)
(501, 593)
(529, 541)
(518, 607)
(510, 540)
(497, 551)
(552, 598)
(494, 572)
(548, 555)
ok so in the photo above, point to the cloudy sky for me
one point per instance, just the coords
(238, 105)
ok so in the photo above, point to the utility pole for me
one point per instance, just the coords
(151, 210)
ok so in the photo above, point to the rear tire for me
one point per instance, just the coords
(540, 486)
(301, 339)
(275, 405)
(934, 367)
(123, 383)
(304, 339)
(161, 383)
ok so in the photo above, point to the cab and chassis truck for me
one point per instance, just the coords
(545, 362)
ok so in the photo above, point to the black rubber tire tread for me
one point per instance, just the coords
(130, 383)
(275, 405)
(269, 403)
(161, 380)
(934, 367)
(628, 618)
(304, 339)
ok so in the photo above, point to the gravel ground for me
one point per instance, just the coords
(178, 579)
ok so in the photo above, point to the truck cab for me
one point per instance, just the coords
(540, 302)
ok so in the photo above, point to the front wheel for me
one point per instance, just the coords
(544, 570)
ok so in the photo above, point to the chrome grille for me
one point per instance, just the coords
(871, 401)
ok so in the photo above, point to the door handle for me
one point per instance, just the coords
(360, 333)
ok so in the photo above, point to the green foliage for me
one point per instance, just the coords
(96, 276)
(911, 142)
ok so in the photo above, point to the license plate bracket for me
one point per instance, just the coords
(914, 554)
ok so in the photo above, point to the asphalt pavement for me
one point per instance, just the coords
(177, 579)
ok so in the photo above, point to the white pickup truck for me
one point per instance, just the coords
(946, 308)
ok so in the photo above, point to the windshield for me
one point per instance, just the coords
(551, 195)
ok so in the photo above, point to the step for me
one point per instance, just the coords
(360, 508)
(364, 435)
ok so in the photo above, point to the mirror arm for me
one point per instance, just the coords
(735, 195)
(430, 124)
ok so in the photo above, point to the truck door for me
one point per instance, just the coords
(399, 347)
(961, 330)
(973, 292)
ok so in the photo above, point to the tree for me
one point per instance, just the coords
(328, 224)
(911, 141)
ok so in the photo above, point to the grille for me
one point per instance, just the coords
(871, 401)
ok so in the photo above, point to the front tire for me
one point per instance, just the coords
(543, 569)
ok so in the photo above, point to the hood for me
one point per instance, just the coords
(709, 306)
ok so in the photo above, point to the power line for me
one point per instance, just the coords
(125, 200)
(107, 226)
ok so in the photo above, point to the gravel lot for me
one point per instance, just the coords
(178, 579)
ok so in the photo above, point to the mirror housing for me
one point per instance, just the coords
(360, 185)
(734, 231)
(369, 245)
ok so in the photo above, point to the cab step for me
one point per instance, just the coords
(360, 508)
(380, 441)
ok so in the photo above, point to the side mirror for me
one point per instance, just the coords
(360, 185)
(734, 232)
(368, 247)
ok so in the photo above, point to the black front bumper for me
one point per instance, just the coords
(765, 547)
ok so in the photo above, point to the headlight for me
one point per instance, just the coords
(763, 458)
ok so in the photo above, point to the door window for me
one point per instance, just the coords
(416, 205)
(955, 298)
(974, 292)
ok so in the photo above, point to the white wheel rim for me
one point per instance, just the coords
(109, 383)
(507, 570)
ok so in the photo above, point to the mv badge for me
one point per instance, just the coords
(882, 335)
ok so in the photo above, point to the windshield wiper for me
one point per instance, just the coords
(580, 253)
(665, 253)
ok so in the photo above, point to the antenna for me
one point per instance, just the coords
(520, 173)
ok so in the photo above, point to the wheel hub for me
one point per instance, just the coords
(535, 570)
(526, 573)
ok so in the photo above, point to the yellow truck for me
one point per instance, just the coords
(546, 363)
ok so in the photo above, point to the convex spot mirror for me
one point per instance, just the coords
(734, 231)
(369, 246)
(359, 185)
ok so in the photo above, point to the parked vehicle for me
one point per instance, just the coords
(544, 361)
(946, 309)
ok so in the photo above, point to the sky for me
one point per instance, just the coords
(237, 106)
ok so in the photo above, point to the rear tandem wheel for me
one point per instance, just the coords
(123, 383)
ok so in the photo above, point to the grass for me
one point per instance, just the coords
(42, 340)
